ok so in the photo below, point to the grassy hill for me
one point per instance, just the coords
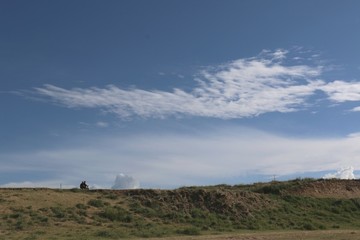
(302, 204)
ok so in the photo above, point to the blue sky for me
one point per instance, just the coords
(176, 93)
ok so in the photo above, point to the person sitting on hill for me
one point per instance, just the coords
(83, 185)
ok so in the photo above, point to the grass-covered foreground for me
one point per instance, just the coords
(277, 209)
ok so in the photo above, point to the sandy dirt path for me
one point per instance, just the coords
(283, 235)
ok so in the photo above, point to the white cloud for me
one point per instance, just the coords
(242, 88)
(170, 160)
(280, 54)
(356, 109)
(340, 91)
(343, 173)
(123, 181)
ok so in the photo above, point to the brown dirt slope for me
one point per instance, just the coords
(329, 188)
(229, 201)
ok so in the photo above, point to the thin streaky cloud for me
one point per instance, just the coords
(102, 124)
(242, 88)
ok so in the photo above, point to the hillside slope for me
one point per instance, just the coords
(108, 214)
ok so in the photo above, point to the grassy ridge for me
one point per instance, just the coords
(106, 214)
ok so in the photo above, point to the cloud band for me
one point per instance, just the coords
(242, 88)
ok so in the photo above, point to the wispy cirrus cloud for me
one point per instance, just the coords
(242, 88)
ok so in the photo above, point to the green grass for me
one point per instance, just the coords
(74, 214)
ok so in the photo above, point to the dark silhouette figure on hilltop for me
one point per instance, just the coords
(83, 185)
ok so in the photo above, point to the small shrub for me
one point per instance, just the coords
(43, 219)
(43, 209)
(112, 196)
(82, 212)
(308, 226)
(40, 232)
(335, 210)
(134, 206)
(80, 220)
(81, 206)
(322, 227)
(116, 214)
(15, 215)
(96, 203)
(19, 225)
(253, 226)
(105, 234)
(189, 231)
(271, 189)
(58, 212)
